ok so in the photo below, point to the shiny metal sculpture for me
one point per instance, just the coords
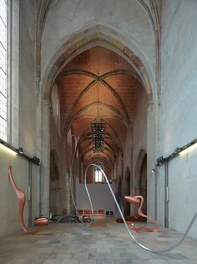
(139, 200)
(157, 251)
(22, 199)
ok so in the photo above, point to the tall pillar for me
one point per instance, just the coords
(151, 143)
(45, 158)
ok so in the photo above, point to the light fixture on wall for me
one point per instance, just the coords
(14, 151)
(98, 135)
(188, 148)
(20, 151)
(178, 151)
(8, 148)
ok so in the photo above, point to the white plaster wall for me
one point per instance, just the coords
(178, 122)
(78, 16)
(23, 120)
(10, 221)
(27, 89)
(28, 95)
(100, 195)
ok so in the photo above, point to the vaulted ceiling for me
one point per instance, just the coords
(100, 86)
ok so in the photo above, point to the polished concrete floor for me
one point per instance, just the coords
(103, 242)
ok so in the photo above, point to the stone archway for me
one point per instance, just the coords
(68, 50)
(97, 35)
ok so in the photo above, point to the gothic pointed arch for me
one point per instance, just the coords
(95, 36)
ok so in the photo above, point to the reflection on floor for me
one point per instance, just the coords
(77, 243)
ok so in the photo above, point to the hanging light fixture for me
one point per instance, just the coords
(98, 135)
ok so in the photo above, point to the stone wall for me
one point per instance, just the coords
(176, 112)
(113, 18)
(23, 171)
(27, 87)
(178, 124)
(22, 118)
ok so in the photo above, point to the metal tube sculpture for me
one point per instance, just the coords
(22, 199)
(139, 200)
(157, 251)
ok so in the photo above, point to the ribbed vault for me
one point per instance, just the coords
(98, 85)
(101, 76)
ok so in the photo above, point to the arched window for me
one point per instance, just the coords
(98, 175)
(3, 70)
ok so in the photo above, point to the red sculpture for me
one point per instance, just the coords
(22, 199)
(139, 200)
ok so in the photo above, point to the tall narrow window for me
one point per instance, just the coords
(98, 176)
(3, 69)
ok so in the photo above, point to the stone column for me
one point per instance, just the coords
(150, 159)
(45, 158)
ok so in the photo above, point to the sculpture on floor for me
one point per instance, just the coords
(139, 200)
(41, 221)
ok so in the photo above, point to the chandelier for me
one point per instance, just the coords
(98, 134)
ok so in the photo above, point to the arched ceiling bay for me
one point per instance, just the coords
(98, 85)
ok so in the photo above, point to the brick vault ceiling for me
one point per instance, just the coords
(98, 85)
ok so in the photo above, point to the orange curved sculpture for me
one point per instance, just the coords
(139, 200)
(22, 199)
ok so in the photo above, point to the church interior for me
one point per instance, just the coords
(97, 100)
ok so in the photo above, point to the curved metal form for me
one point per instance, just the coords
(157, 251)
(139, 200)
(22, 199)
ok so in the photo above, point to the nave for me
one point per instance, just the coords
(102, 242)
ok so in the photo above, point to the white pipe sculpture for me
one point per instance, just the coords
(158, 251)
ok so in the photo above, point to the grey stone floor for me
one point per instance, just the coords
(76, 243)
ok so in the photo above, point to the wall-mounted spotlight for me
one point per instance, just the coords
(153, 171)
(14, 151)
(178, 151)
(20, 151)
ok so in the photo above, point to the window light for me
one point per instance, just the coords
(98, 177)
